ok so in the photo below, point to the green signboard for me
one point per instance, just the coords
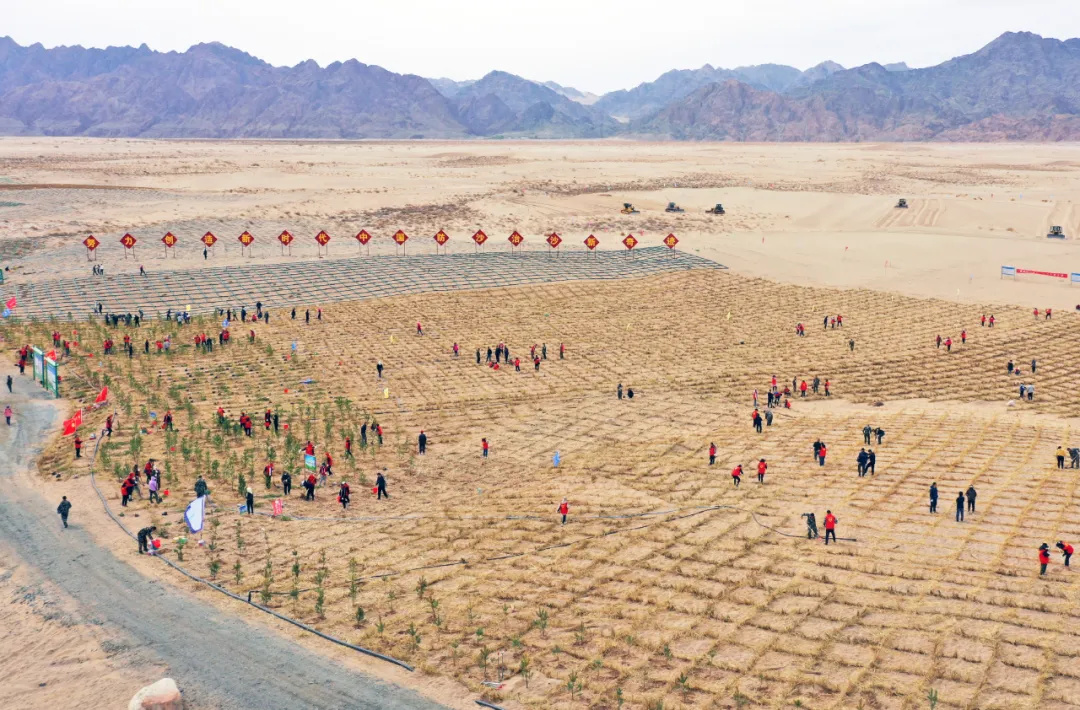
(52, 378)
(39, 364)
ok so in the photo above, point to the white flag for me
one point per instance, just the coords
(195, 514)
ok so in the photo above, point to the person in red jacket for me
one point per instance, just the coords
(992, 321)
(78, 447)
(712, 454)
(484, 447)
(309, 449)
(348, 447)
(802, 389)
(736, 475)
(1044, 558)
(1066, 551)
(419, 328)
(1036, 312)
(821, 455)
(329, 464)
(564, 510)
(948, 344)
(963, 337)
(830, 526)
(762, 467)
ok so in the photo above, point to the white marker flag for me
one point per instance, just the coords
(195, 514)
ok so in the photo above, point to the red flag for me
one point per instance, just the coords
(11, 303)
(103, 396)
(51, 355)
(70, 425)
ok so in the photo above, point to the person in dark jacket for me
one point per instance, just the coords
(250, 502)
(65, 507)
(960, 507)
(422, 442)
(343, 495)
(146, 538)
(971, 494)
(933, 497)
(871, 461)
(380, 484)
(286, 482)
(861, 459)
(200, 488)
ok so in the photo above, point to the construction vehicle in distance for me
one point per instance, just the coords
(719, 209)
(901, 204)
(1055, 233)
(628, 208)
(672, 207)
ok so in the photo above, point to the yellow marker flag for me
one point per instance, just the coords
(386, 393)
(391, 338)
(729, 315)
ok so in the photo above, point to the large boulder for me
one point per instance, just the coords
(163, 695)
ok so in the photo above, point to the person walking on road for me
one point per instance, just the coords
(65, 507)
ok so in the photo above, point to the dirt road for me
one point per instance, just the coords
(220, 661)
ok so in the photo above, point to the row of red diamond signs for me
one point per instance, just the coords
(441, 238)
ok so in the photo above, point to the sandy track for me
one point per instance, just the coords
(221, 661)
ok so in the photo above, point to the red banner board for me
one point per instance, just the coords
(1054, 274)
(91, 242)
(554, 240)
(592, 242)
(322, 238)
(401, 237)
(285, 238)
(128, 241)
(516, 239)
(441, 237)
(363, 237)
(246, 239)
(630, 242)
(169, 240)
(670, 241)
(479, 237)
(208, 239)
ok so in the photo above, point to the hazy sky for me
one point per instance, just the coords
(594, 45)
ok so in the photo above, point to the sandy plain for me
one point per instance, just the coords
(712, 596)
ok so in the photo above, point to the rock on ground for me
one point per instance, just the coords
(163, 695)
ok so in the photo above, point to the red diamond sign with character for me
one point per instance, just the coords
(401, 237)
(363, 237)
(128, 241)
(670, 241)
(246, 239)
(479, 237)
(322, 238)
(169, 240)
(630, 242)
(554, 240)
(208, 239)
(286, 238)
(592, 242)
(516, 239)
(441, 237)
(91, 242)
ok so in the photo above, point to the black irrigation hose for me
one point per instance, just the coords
(226, 592)
(488, 705)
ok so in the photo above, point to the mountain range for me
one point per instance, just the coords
(1019, 87)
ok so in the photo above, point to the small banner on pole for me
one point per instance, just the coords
(670, 241)
(592, 242)
(209, 240)
(630, 242)
(554, 240)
